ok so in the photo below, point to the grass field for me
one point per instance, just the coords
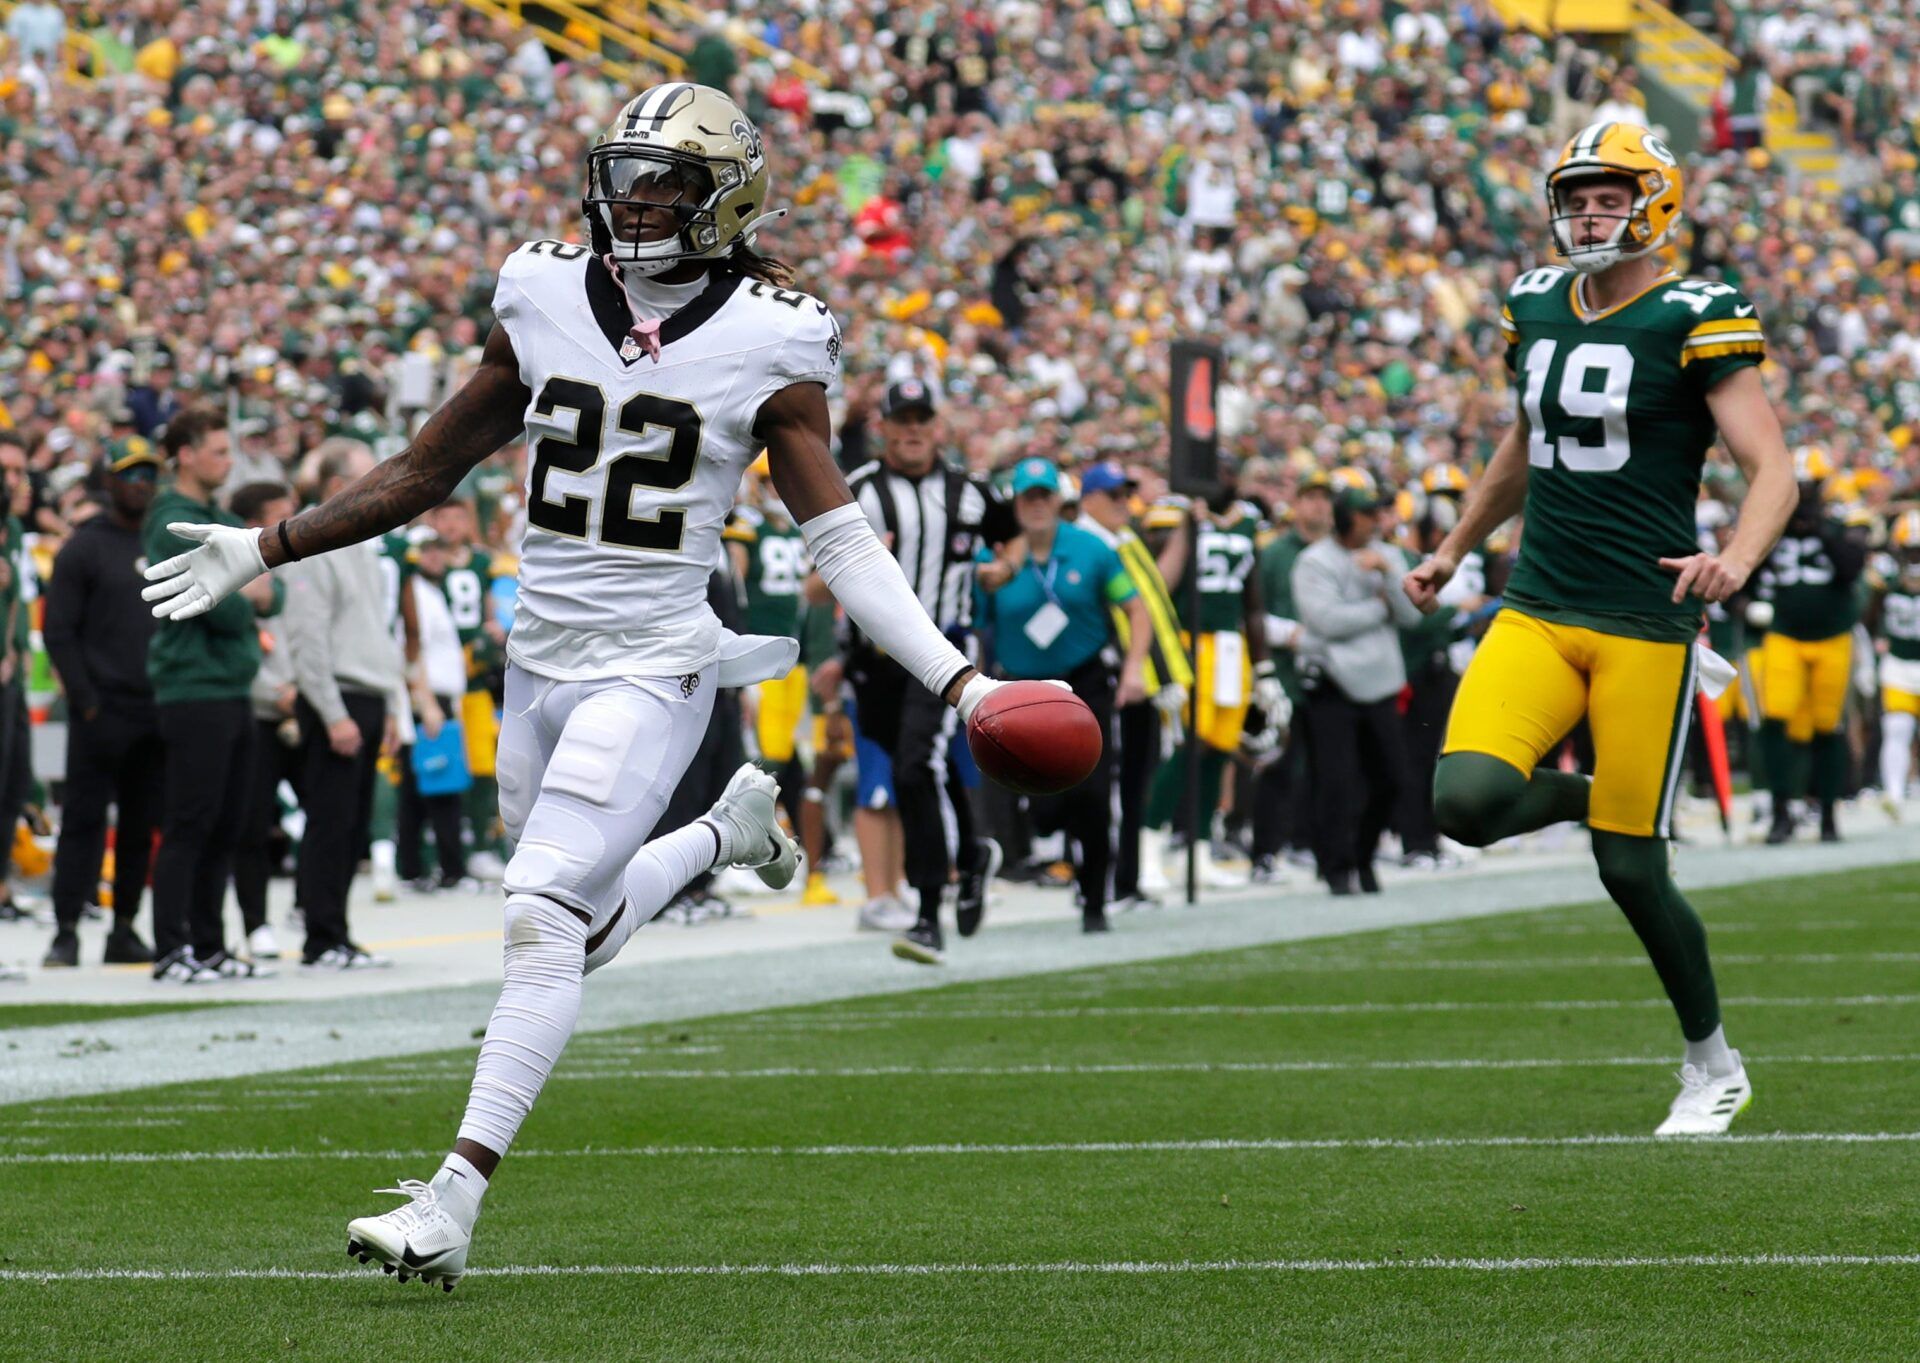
(1423, 1144)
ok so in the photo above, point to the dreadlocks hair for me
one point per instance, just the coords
(767, 269)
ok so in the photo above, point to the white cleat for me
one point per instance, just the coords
(261, 945)
(746, 809)
(1706, 1105)
(885, 915)
(419, 1240)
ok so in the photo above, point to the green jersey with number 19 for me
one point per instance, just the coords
(1616, 402)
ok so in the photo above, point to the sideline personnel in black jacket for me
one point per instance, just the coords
(96, 630)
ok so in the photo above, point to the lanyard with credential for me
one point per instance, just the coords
(1046, 578)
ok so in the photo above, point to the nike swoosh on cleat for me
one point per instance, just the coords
(412, 1260)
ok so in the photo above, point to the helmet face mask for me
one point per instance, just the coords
(657, 208)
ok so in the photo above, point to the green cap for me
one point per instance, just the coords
(131, 452)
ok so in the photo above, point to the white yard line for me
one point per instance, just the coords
(1636, 961)
(1120, 1267)
(401, 1079)
(962, 1149)
(875, 1017)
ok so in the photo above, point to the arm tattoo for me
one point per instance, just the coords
(487, 412)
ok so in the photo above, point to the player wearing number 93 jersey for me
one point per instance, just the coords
(1626, 374)
(646, 367)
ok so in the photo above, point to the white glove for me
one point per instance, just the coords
(980, 688)
(1271, 699)
(195, 582)
(1171, 700)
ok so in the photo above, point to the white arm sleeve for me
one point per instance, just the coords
(865, 579)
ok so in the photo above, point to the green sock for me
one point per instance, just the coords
(1479, 799)
(1830, 762)
(1634, 870)
(1757, 757)
(1781, 762)
(1163, 792)
(1213, 769)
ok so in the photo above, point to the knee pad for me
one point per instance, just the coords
(1634, 870)
(1469, 791)
(563, 856)
(540, 933)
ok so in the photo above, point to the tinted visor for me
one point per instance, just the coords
(665, 181)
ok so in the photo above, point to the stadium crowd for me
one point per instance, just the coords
(291, 212)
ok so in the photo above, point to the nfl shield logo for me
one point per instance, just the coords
(630, 349)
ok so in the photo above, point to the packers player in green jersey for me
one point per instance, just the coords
(1895, 623)
(1811, 584)
(1234, 672)
(770, 563)
(1626, 374)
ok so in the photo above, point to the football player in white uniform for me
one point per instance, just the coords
(647, 370)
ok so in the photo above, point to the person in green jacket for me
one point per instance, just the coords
(202, 671)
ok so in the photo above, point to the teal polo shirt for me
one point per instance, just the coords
(1082, 576)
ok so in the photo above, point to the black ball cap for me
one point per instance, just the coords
(908, 395)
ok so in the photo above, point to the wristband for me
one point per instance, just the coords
(286, 544)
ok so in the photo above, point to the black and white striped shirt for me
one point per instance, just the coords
(934, 525)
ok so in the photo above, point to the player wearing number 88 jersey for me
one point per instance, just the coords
(1627, 373)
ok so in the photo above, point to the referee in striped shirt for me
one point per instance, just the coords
(934, 518)
(1167, 676)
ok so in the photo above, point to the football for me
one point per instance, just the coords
(1035, 737)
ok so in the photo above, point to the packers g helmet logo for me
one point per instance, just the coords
(1657, 149)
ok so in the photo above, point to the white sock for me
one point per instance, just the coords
(461, 1186)
(544, 963)
(1712, 1054)
(716, 831)
(663, 868)
(1896, 745)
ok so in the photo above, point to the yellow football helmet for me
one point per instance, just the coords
(1811, 464)
(1905, 534)
(689, 151)
(1352, 476)
(1603, 150)
(1444, 480)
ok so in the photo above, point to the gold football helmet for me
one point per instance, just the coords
(1904, 536)
(679, 174)
(1610, 150)
(1444, 480)
(1811, 464)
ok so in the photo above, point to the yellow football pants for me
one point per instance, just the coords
(1803, 683)
(1219, 725)
(1894, 701)
(1531, 680)
(783, 704)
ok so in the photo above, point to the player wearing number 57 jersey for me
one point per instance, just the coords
(646, 368)
(1626, 374)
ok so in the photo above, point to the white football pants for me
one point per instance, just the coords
(585, 771)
